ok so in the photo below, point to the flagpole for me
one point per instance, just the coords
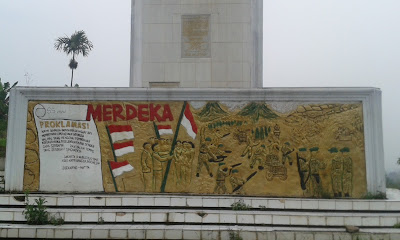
(113, 178)
(112, 144)
(156, 130)
(164, 182)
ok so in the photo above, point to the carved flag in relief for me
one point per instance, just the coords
(165, 129)
(118, 168)
(120, 132)
(122, 139)
(188, 122)
(123, 148)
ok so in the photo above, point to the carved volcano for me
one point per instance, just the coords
(257, 110)
(211, 111)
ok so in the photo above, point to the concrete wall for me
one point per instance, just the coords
(370, 99)
(234, 43)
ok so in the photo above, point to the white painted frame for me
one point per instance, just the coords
(370, 98)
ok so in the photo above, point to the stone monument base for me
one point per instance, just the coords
(206, 217)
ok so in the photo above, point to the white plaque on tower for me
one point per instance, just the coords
(196, 36)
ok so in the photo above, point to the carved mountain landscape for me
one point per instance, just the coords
(255, 111)
(211, 111)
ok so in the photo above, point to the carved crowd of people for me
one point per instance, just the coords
(154, 158)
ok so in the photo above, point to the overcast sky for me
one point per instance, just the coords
(308, 43)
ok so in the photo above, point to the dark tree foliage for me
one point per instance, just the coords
(4, 98)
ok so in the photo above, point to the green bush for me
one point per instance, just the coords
(3, 143)
(100, 220)
(379, 195)
(36, 214)
(56, 220)
(240, 205)
(234, 236)
(3, 128)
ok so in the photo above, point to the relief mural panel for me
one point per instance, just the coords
(283, 149)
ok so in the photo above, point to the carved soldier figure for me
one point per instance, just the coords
(303, 168)
(205, 154)
(315, 179)
(217, 136)
(218, 151)
(336, 173)
(222, 174)
(286, 151)
(236, 182)
(250, 150)
(347, 179)
(259, 156)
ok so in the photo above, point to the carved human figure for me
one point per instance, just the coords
(250, 150)
(146, 163)
(187, 159)
(336, 172)
(222, 174)
(316, 165)
(347, 178)
(165, 145)
(258, 156)
(205, 154)
(286, 151)
(303, 168)
(178, 161)
(216, 138)
(158, 170)
(218, 151)
(236, 182)
(153, 140)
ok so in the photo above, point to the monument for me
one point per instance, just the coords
(231, 141)
(195, 139)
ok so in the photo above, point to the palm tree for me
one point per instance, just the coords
(77, 44)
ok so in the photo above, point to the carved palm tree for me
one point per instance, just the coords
(77, 44)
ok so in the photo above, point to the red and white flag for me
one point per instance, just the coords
(164, 129)
(119, 168)
(120, 132)
(123, 148)
(189, 123)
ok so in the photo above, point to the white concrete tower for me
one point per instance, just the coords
(196, 43)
